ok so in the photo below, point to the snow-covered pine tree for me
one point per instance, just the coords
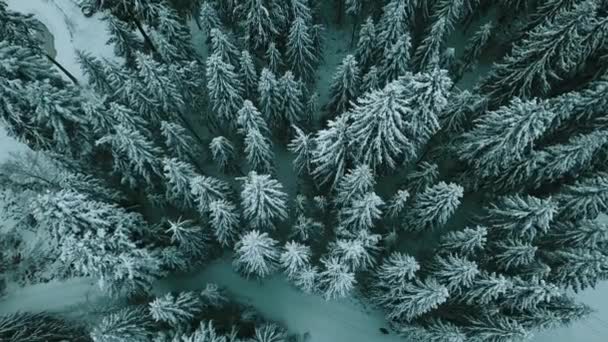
(466, 242)
(291, 106)
(394, 22)
(248, 75)
(224, 219)
(225, 90)
(263, 201)
(127, 324)
(412, 299)
(577, 268)
(122, 38)
(207, 189)
(258, 151)
(378, 128)
(495, 143)
(306, 229)
(463, 107)
(524, 217)
(32, 327)
(270, 98)
(330, 157)
(581, 234)
(223, 47)
(496, 328)
(436, 330)
(294, 259)
(223, 153)
(258, 22)
(249, 118)
(300, 49)
(366, 45)
(345, 85)
(397, 204)
(190, 238)
(528, 294)
(486, 288)
(396, 60)
(178, 140)
(371, 80)
(433, 207)
(274, 58)
(302, 145)
(511, 253)
(454, 272)
(423, 176)
(256, 254)
(269, 332)
(361, 213)
(307, 279)
(476, 45)
(353, 253)
(176, 310)
(178, 175)
(209, 18)
(336, 280)
(548, 53)
(134, 155)
(355, 183)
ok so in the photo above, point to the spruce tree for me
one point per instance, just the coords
(466, 242)
(127, 324)
(366, 46)
(294, 258)
(336, 280)
(274, 58)
(331, 152)
(178, 175)
(224, 221)
(256, 254)
(456, 273)
(263, 201)
(396, 60)
(225, 90)
(258, 151)
(223, 152)
(433, 207)
(176, 310)
(257, 20)
(248, 74)
(206, 190)
(302, 145)
(222, 46)
(300, 49)
(270, 98)
(361, 213)
(291, 105)
(345, 85)
(371, 80)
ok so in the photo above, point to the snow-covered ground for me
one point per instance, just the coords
(274, 297)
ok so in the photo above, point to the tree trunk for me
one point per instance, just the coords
(64, 70)
(141, 30)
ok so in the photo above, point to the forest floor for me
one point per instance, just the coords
(274, 298)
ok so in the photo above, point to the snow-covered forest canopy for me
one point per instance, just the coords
(440, 161)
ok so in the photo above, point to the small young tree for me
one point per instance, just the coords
(256, 254)
(336, 279)
(224, 221)
(223, 152)
(396, 60)
(434, 207)
(396, 206)
(263, 201)
(248, 74)
(302, 145)
(366, 46)
(345, 85)
(274, 58)
(176, 310)
(371, 80)
(394, 22)
(258, 151)
(294, 259)
(305, 229)
(270, 97)
(355, 183)
(291, 99)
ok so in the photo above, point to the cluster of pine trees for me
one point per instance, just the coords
(162, 160)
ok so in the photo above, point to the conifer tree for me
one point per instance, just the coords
(397, 269)
(436, 331)
(371, 80)
(269, 333)
(225, 90)
(249, 118)
(127, 324)
(307, 279)
(496, 328)
(124, 40)
(362, 212)
(305, 229)
(423, 176)
(434, 207)
(177, 140)
(413, 299)
(396, 206)
(256, 254)
(300, 49)
(270, 97)
(486, 288)
(354, 253)
(463, 107)
(263, 201)
(224, 221)
(519, 216)
(582, 234)
(248, 74)
(345, 85)
(394, 23)
(33, 327)
(274, 58)
(176, 310)
(189, 237)
(378, 127)
(331, 152)
(366, 46)
(495, 143)
(578, 268)
(178, 175)
(302, 145)
(475, 47)
(258, 151)
(396, 59)
(550, 52)
(466, 242)
(291, 106)
(510, 254)
(295, 258)
(223, 47)
(456, 273)
(209, 18)
(223, 152)
(528, 294)
(355, 183)
(206, 190)
(336, 280)
(258, 23)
